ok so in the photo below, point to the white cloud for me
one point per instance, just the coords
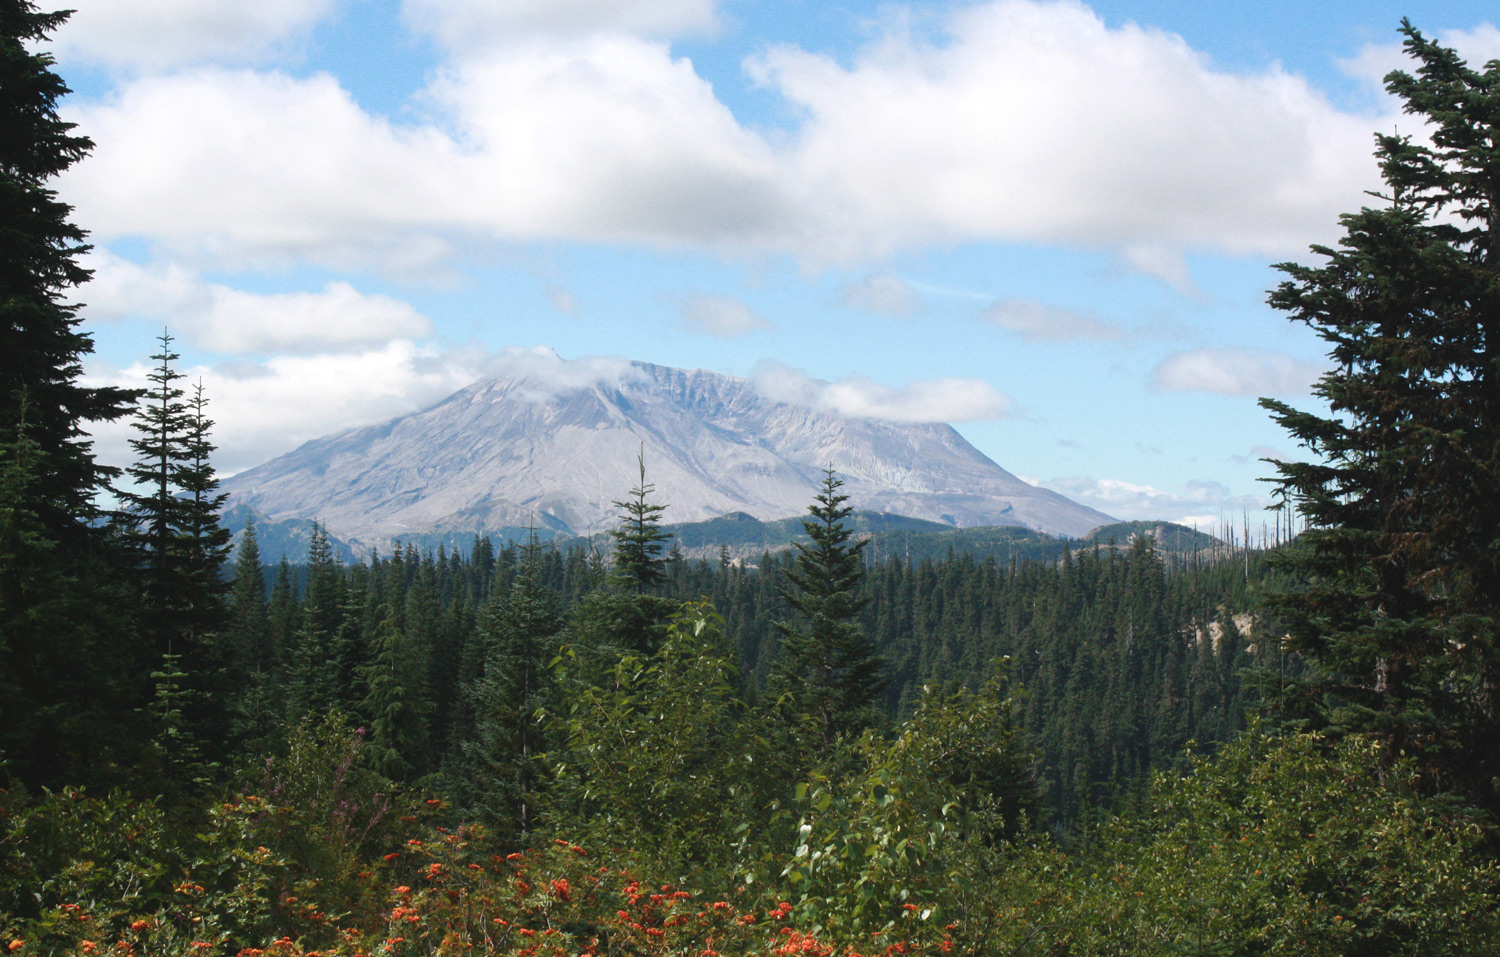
(1027, 122)
(605, 139)
(884, 293)
(471, 24)
(722, 316)
(1039, 322)
(933, 400)
(156, 34)
(1201, 502)
(222, 319)
(1035, 121)
(262, 410)
(1235, 372)
(547, 374)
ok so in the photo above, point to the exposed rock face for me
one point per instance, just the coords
(508, 453)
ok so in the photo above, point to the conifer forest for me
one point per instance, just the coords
(1280, 747)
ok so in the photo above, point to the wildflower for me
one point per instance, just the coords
(140, 925)
(393, 855)
(403, 890)
(88, 946)
(16, 945)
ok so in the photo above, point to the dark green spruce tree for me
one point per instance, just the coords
(631, 613)
(1398, 574)
(65, 620)
(518, 638)
(828, 669)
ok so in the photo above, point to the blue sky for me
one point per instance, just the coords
(1052, 224)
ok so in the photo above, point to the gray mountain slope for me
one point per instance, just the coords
(507, 453)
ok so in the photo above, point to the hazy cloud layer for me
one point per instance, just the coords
(1247, 372)
(222, 319)
(935, 400)
(722, 316)
(1203, 503)
(143, 35)
(1023, 121)
(884, 293)
(547, 374)
(1039, 322)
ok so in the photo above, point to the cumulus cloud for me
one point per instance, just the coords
(722, 316)
(469, 24)
(1235, 372)
(1039, 322)
(144, 35)
(1033, 121)
(223, 319)
(1022, 121)
(605, 139)
(933, 400)
(884, 293)
(262, 410)
(1201, 502)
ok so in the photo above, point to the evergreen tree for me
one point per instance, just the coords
(827, 667)
(630, 614)
(41, 344)
(397, 703)
(157, 517)
(1398, 575)
(518, 635)
(638, 563)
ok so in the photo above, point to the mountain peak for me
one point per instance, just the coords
(538, 450)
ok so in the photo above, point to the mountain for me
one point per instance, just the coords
(510, 453)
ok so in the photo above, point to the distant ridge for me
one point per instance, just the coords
(507, 453)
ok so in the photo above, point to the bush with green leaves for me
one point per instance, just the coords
(1286, 845)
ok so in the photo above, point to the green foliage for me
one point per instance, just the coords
(1287, 845)
(828, 671)
(1398, 577)
(659, 755)
(638, 563)
(893, 845)
(517, 641)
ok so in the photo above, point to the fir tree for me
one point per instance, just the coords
(827, 667)
(638, 563)
(1399, 572)
(518, 635)
(41, 343)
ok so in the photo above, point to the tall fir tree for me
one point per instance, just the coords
(42, 343)
(518, 637)
(827, 667)
(65, 648)
(1398, 574)
(639, 539)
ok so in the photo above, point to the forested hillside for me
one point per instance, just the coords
(828, 751)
